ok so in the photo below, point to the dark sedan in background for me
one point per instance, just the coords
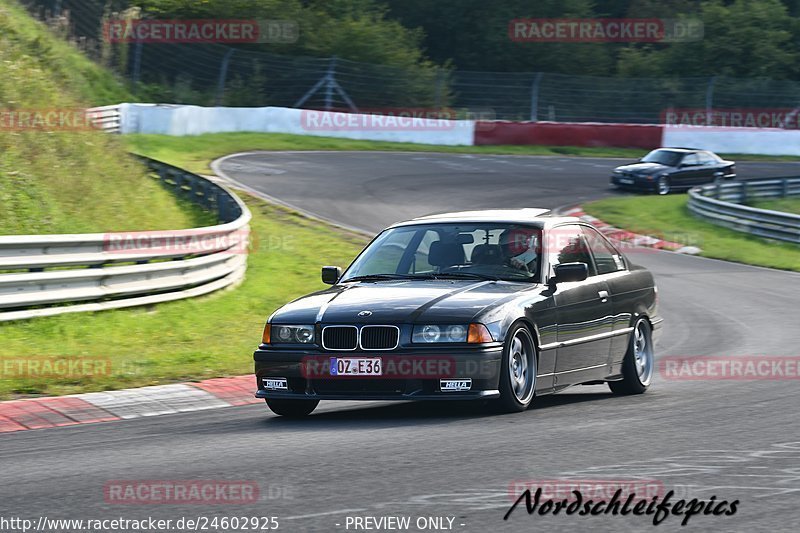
(484, 305)
(671, 169)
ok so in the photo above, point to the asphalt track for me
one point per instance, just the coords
(729, 439)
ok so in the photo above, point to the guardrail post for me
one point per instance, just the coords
(743, 193)
(785, 188)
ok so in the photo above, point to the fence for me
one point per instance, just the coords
(721, 205)
(245, 76)
(208, 74)
(42, 275)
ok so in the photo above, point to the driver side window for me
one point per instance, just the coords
(566, 244)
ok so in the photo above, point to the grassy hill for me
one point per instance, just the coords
(68, 182)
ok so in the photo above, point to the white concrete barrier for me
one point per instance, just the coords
(766, 141)
(180, 120)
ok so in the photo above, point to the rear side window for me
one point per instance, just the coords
(566, 244)
(606, 258)
(690, 159)
(706, 158)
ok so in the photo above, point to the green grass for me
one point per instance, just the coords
(787, 205)
(57, 60)
(195, 152)
(668, 217)
(69, 182)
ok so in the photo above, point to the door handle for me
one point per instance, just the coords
(603, 295)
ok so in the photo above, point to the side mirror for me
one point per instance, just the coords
(331, 274)
(567, 272)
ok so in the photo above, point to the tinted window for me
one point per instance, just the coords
(497, 250)
(606, 258)
(705, 158)
(566, 244)
(664, 157)
(711, 158)
(691, 159)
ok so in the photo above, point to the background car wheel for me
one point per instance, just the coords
(292, 408)
(663, 185)
(639, 362)
(517, 371)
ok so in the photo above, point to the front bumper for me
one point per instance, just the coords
(633, 182)
(409, 375)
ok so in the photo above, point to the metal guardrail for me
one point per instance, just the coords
(43, 275)
(106, 118)
(721, 204)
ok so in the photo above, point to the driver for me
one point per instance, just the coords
(520, 248)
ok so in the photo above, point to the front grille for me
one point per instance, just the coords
(340, 337)
(379, 337)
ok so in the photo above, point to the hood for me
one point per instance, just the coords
(643, 168)
(396, 302)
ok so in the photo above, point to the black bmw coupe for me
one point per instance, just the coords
(672, 169)
(498, 305)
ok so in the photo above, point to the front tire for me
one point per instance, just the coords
(292, 408)
(517, 371)
(639, 362)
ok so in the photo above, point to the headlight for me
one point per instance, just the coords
(429, 333)
(292, 334)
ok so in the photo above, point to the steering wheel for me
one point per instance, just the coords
(507, 263)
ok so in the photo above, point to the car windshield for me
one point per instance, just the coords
(664, 157)
(490, 251)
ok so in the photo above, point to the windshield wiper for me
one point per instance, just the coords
(443, 275)
(462, 275)
(379, 277)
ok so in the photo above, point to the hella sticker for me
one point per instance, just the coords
(455, 385)
(275, 383)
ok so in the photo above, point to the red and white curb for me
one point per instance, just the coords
(93, 407)
(628, 237)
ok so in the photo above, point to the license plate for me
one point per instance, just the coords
(626, 181)
(356, 366)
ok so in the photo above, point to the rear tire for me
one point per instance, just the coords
(517, 371)
(292, 408)
(639, 362)
(663, 185)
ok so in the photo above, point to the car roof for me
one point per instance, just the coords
(536, 216)
(681, 149)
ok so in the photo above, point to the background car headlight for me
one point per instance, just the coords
(292, 334)
(428, 333)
